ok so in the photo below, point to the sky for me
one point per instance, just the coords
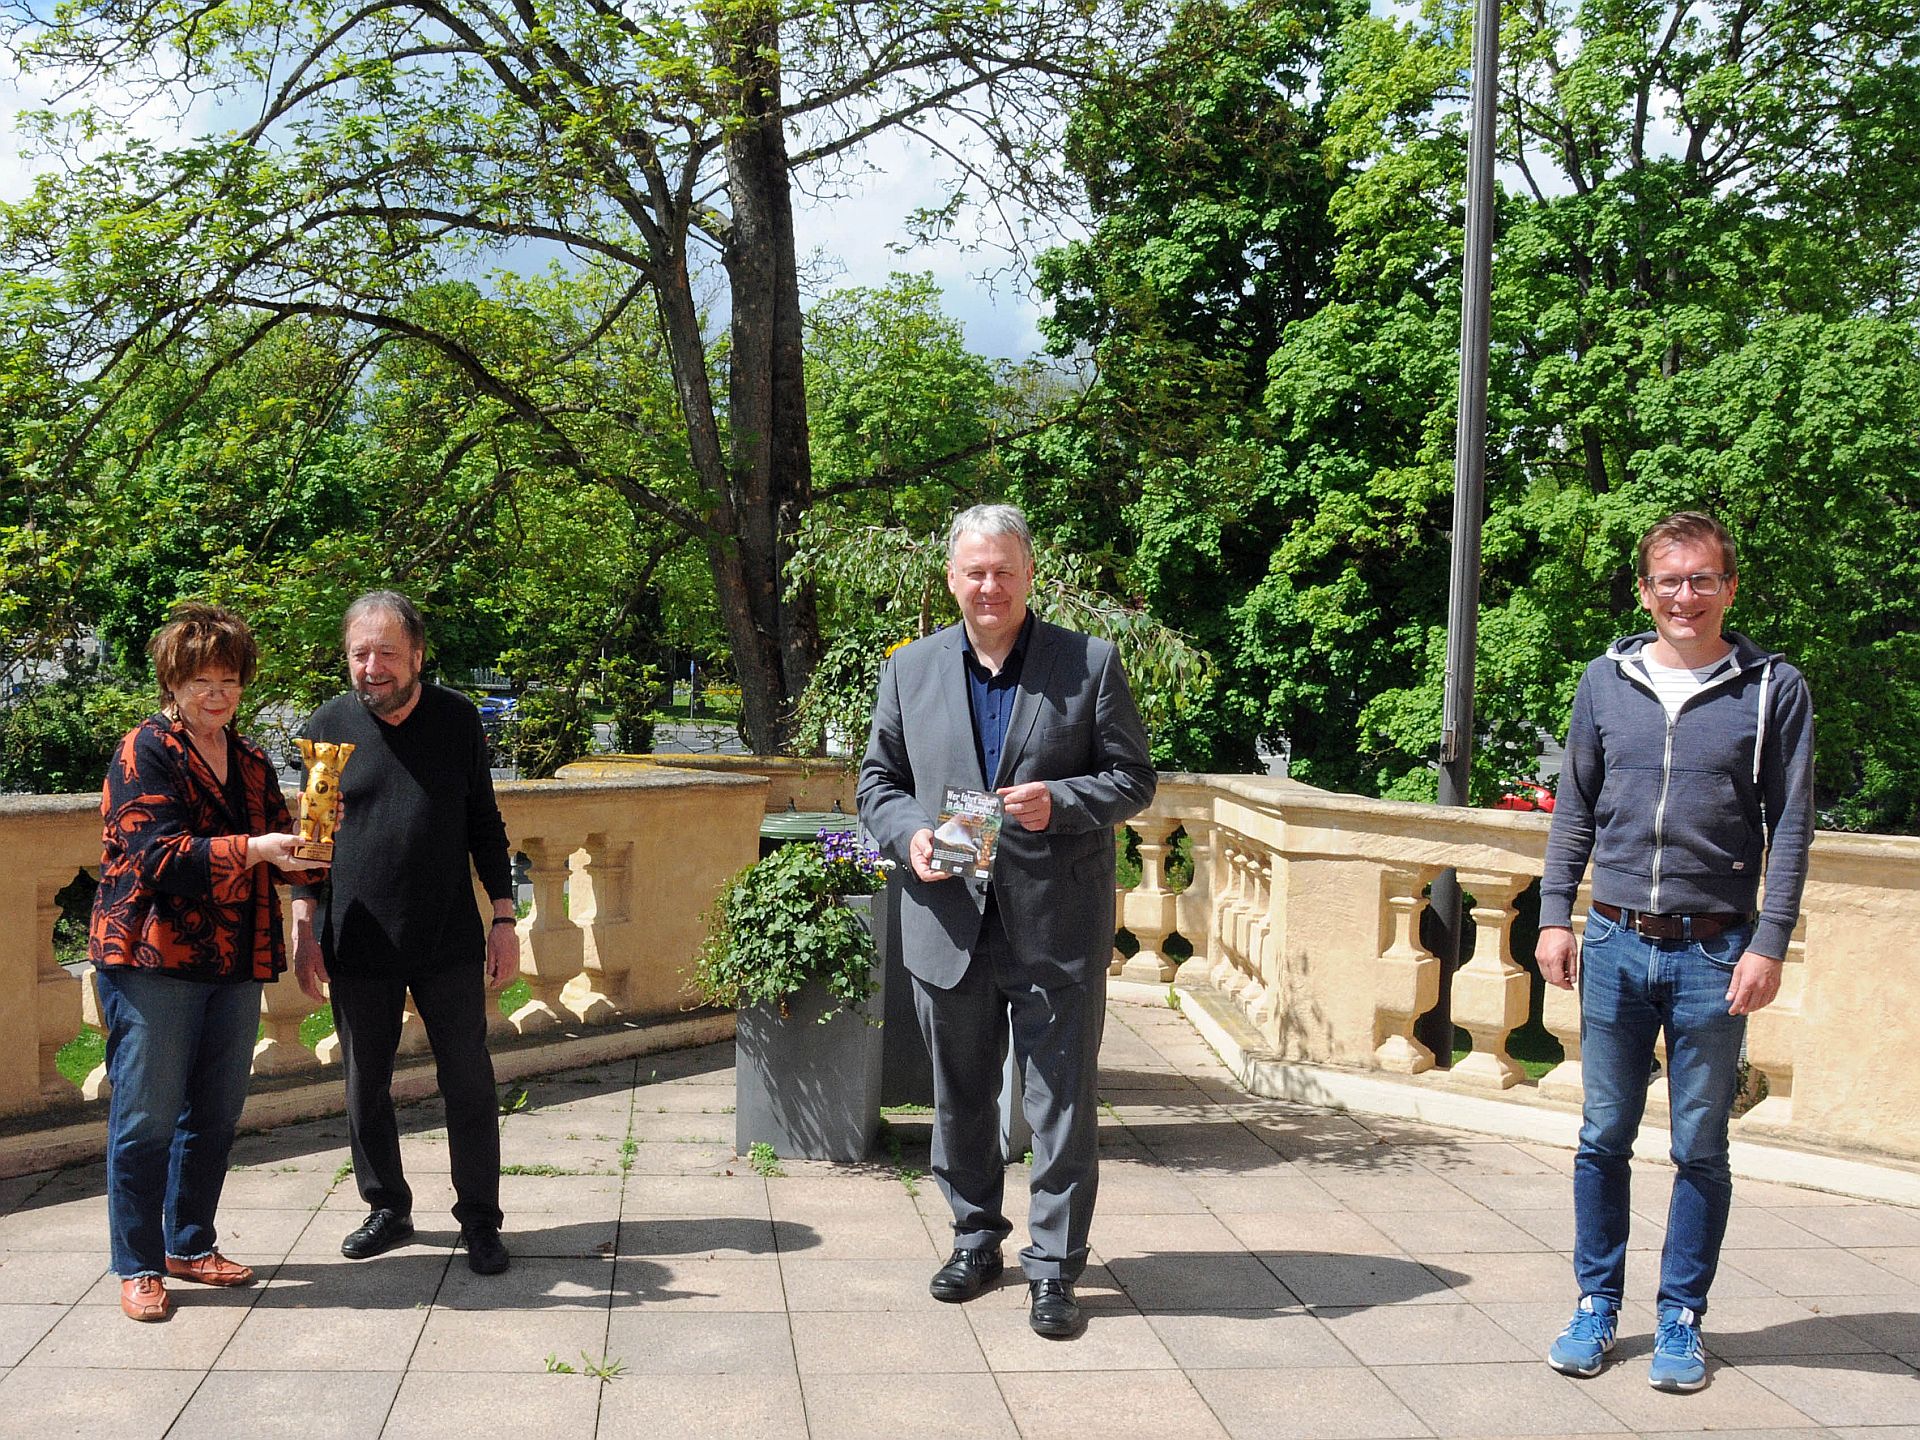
(844, 240)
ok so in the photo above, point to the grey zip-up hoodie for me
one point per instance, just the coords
(1680, 817)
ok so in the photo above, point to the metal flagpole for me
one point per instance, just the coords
(1469, 499)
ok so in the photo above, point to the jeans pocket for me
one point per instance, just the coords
(1724, 950)
(1598, 928)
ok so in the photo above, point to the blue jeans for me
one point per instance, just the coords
(178, 1055)
(1631, 989)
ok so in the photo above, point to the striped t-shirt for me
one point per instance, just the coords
(1675, 685)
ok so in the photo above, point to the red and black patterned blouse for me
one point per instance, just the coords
(176, 893)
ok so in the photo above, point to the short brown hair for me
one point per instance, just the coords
(201, 637)
(1686, 527)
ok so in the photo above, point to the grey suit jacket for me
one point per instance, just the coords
(1074, 725)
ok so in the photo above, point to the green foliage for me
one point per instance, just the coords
(550, 728)
(633, 694)
(765, 1163)
(57, 738)
(779, 926)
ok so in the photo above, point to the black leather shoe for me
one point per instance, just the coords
(485, 1254)
(1054, 1312)
(966, 1274)
(382, 1230)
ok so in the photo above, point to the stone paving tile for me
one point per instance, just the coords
(653, 1158)
(1844, 1389)
(1751, 1228)
(1731, 1401)
(261, 1232)
(1284, 1190)
(1199, 1280)
(95, 1337)
(274, 1189)
(816, 1284)
(1372, 1194)
(1809, 1272)
(1285, 1232)
(689, 1407)
(1113, 1340)
(1499, 1399)
(325, 1404)
(489, 1341)
(684, 1127)
(1472, 1231)
(538, 1234)
(507, 1407)
(398, 1280)
(299, 1340)
(1249, 1340)
(928, 1407)
(1554, 1228)
(130, 1405)
(1308, 1403)
(1115, 1236)
(1114, 1406)
(936, 1340)
(534, 1283)
(75, 1225)
(50, 1277)
(22, 1327)
(1889, 1323)
(704, 1195)
(654, 1343)
(723, 1238)
(18, 1188)
(698, 1284)
(1505, 1277)
(1422, 1335)
(1546, 1190)
(1903, 1261)
(1362, 1279)
(1771, 1327)
(432, 1198)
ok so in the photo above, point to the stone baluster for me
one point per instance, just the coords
(1262, 995)
(600, 902)
(284, 1007)
(1225, 969)
(1148, 908)
(57, 1001)
(1193, 906)
(1490, 991)
(1560, 1013)
(552, 948)
(1772, 1034)
(1406, 977)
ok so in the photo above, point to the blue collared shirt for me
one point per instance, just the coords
(991, 697)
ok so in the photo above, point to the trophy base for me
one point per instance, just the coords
(314, 850)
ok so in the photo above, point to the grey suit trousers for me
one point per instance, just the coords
(1055, 1028)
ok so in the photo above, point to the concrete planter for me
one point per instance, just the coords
(811, 1091)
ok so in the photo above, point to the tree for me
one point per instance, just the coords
(398, 140)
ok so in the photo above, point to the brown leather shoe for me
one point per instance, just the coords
(213, 1268)
(145, 1298)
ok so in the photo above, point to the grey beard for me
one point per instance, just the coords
(394, 701)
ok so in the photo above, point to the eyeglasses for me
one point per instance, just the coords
(200, 689)
(1706, 582)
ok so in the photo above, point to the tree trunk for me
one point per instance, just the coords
(770, 467)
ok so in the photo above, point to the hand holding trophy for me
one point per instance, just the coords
(320, 798)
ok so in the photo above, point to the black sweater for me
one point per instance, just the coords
(417, 801)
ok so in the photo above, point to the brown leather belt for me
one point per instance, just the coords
(1670, 927)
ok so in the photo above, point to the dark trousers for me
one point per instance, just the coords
(1055, 1030)
(452, 1005)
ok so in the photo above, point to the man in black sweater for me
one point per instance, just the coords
(397, 914)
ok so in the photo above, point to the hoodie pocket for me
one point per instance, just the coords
(1706, 831)
(1623, 819)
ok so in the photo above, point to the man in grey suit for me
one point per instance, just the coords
(1044, 716)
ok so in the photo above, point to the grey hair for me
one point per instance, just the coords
(395, 604)
(990, 520)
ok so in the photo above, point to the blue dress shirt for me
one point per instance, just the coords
(991, 697)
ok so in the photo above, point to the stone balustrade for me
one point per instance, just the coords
(1307, 916)
(622, 873)
(1303, 911)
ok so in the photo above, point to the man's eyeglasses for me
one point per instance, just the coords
(1706, 582)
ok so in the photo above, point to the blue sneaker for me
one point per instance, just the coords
(1582, 1347)
(1679, 1362)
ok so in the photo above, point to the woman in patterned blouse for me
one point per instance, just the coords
(185, 930)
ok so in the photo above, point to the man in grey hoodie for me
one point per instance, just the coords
(1688, 778)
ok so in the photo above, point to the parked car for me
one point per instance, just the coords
(496, 713)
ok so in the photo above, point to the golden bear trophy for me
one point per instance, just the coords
(320, 799)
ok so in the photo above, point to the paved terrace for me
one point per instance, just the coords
(1264, 1270)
